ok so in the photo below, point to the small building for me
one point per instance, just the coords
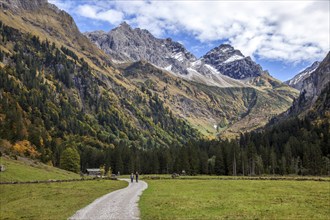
(93, 172)
(2, 168)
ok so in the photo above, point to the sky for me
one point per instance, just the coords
(284, 37)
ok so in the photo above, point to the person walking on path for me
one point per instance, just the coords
(137, 176)
(132, 177)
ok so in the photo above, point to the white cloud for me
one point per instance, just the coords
(64, 5)
(291, 31)
(96, 12)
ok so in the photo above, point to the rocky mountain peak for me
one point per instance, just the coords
(231, 62)
(125, 44)
(224, 53)
(123, 27)
(297, 81)
(225, 49)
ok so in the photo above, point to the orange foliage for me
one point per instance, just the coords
(25, 148)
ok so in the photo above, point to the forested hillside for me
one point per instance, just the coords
(51, 100)
(59, 91)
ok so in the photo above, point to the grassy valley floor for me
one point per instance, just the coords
(52, 200)
(235, 199)
(46, 200)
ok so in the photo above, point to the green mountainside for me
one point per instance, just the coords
(210, 109)
(54, 100)
(59, 91)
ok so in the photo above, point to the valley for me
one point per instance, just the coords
(238, 142)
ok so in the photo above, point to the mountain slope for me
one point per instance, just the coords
(211, 109)
(38, 17)
(297, 81)
(312, 88)
(52, 97)
(105, 102)
(23, 169)
(126, 44)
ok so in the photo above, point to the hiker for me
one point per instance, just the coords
(132, 177)
(137, 176)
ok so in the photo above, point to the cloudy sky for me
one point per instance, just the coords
(283, 36)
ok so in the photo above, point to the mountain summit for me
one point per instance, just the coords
(232, 63)
(125, 44)
(223, 66)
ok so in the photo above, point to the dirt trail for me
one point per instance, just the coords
(120, 204)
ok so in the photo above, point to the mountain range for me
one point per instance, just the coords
(220, 70)
(126, 87)
(125, 44)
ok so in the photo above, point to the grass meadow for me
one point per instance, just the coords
(26, 170)
(51, 200)
(235, 199)
(188, 197)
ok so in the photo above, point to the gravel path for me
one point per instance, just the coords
(120, 204)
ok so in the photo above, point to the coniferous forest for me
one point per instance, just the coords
(50, 101)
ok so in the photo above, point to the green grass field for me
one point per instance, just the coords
(52, 200)
(214, 177)
(25, 170)
(235, 199)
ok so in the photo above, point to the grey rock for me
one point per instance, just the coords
(232, 63)
(297, 81)
(15, 5)
(125, 44)
(312, 87)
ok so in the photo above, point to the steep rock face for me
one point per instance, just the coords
(232, 63)
(297, 81)
(125, 44)
(312, 87)
(23, 5)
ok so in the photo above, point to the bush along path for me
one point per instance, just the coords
(120, 204)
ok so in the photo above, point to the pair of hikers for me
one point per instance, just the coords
(136, 177)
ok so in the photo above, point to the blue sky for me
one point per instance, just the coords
(284, 37)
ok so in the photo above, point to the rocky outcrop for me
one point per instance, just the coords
(312, 87)
(125, 44)
(232, 63)
(30, 5)
(297, 81)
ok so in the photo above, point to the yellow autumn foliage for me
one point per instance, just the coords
(25, 148)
